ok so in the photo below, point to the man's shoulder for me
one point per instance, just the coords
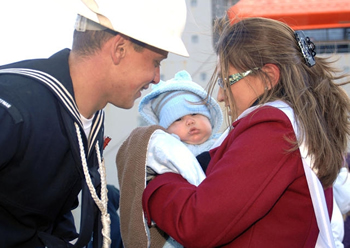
(36, 79)
(23, 96)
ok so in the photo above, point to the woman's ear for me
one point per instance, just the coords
(273, 73)
(118, 48)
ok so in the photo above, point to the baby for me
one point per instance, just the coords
(183, 111)
(178, 105)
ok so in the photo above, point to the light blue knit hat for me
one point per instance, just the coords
(175, 98)
(173, 105)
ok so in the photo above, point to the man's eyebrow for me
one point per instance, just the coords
(164, 56)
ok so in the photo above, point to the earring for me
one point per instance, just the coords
(266, 88)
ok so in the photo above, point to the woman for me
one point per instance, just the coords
(283, 151)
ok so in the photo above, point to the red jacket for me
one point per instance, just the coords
(255, 193)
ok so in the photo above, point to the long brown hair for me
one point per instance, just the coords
(320, 105)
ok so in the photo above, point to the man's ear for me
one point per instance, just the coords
(273, 73)
(118, 48)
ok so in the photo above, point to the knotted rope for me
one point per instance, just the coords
(101, 203)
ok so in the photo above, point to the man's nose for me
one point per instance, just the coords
(156, 78)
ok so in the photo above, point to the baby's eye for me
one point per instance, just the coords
(194, 114)
(179, 119)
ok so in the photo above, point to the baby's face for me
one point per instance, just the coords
(192, 129)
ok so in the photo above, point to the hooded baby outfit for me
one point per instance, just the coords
(149, 146)
(152, 146)
(177, 97)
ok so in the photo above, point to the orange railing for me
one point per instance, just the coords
(306, 14)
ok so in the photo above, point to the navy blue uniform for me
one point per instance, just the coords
(40, 165)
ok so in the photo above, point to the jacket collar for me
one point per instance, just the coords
(64, 93)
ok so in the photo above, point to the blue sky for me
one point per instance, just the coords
(34, 28)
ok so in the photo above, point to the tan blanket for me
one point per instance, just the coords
(130, 160)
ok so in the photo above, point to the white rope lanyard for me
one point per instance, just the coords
(101, 203)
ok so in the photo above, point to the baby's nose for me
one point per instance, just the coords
(189, 120)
